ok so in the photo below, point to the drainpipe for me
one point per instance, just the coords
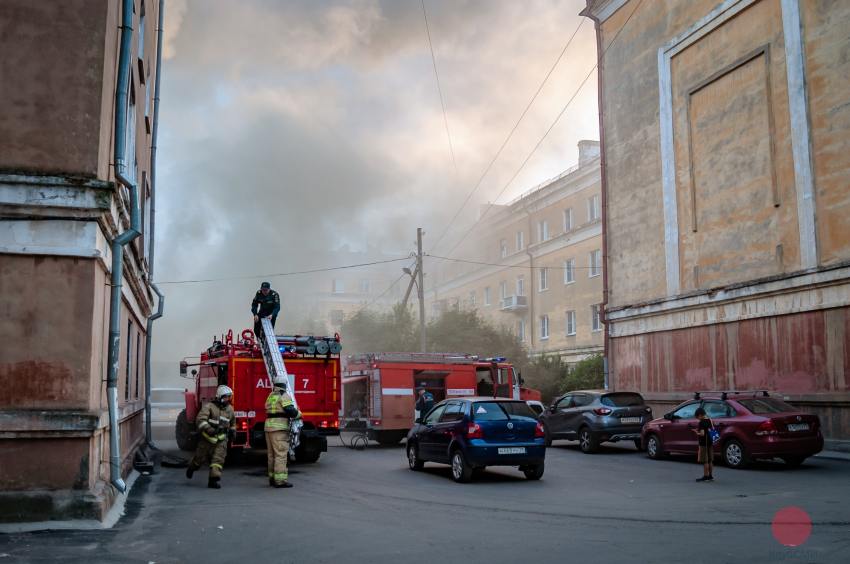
(118, 244)
(151, 256)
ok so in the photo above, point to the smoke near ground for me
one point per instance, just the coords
(290, 130)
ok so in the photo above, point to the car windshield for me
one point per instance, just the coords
(622, 400)
(759, 406)
(167, 396)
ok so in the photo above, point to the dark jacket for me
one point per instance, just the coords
(265, 306)
(424, 403)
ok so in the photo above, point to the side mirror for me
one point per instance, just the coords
(668, 416)
(183, 366)
(418, 420)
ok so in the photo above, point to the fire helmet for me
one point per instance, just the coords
(281, 381)
(222, 391)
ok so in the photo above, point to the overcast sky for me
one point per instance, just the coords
(289, 129)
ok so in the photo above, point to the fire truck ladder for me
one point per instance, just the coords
(274, 368)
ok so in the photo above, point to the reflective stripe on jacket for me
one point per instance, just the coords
(213, 421)
(276, 405)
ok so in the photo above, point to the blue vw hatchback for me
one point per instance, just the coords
(473, 433)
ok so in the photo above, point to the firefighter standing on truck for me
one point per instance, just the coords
(216, 422)
(280, 409)
(266, 303)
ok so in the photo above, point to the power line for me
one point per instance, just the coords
(482, 263)
(439, 87)
(510, 134)
(279, 274)
(552, 126)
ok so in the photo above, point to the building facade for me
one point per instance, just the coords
(61, 208)
(534, 265)
(726, 177)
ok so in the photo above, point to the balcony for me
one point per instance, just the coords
(515, 303)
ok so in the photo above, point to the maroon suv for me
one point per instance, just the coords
(752, 425)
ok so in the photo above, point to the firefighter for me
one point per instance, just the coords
(216, 422)
(425, 401)
(266, 303)
(280, 409)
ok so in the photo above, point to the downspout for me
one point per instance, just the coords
(118, 244)
(606, 366)
(151, 254)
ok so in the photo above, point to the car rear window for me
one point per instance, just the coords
(500, 411)
(759, 406)
(622, 400)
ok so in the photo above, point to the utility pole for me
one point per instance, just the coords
(422, 341)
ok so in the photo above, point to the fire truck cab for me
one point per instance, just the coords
(379, 389)
(238, 363)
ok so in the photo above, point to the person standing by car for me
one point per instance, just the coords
(425, 401)
(705, 454)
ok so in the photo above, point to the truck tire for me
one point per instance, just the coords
(306, 454)
(389, 438)
(186, 438)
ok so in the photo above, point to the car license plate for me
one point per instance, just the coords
(630, 420)
(512, 450)
(798, 427)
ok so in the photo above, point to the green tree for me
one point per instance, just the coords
(587, 374)
(369, 331)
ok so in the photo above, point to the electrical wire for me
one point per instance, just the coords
(549, 130)
(515, 265)
(439, 87)
(510, 135)
(280, 274)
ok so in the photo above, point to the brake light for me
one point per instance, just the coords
(539, 431)
(323, 424)
(376, 421)
(244, 425)
(474, 431)
(602, 411)
(335, 424)
(766, 428)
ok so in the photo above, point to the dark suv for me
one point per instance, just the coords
(594, 416)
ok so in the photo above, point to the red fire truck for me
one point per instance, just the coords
(313, 365)
(379, 389)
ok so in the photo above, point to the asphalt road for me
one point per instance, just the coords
(366, 506)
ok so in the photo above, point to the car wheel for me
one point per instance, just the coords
(186, 439)
(793, 461)
(639, 445)
(413, 460)
(586, 441)
(533, 472)
(654, 448)
(461, 470)
(734, 454)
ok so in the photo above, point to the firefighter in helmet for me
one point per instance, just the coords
(216, 423)
(266, 303)
(280, 409)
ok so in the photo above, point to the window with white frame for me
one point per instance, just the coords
(520, 330)
(338, 286)
(596, 317)
(568, 220)
(129, 364)
(544, 279)
(569, 271)
(520, 240)
(571, 323)
(365, 286)
(503, 289)
(487, 296)
(593, 208)
(472, 298)
(503, 248)
(542, 231)
(520, 286)
(130, 133)
(544, 327)
(595, 263)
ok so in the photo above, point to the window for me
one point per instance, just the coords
(571, 323)
(564, 403)
(543, 231)
(520, 286)
(129, 363)
(593, 208)
(595, 263)
(544, 279)
(365, 286)
(520, 330)
(472, 298)
(518, 409)
(580, 400)
(503, 248)
(336, 316)
(148, 121)
(141, 37)
(130, 133)
(146, 215)
(569, 271)
(622, 399)
(488, 411)
(520, 240)
(595, 317)
(762, 406)
(686, 411)
(544, 327)
(434, 415)
(487, 296)
(138, 363)
(568, 220)
(718, 409)
(338, 286)
(503, 290)
(452, 412)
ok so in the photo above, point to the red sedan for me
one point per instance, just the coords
(752, 425)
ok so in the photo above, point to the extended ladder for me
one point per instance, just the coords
(274, 368)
